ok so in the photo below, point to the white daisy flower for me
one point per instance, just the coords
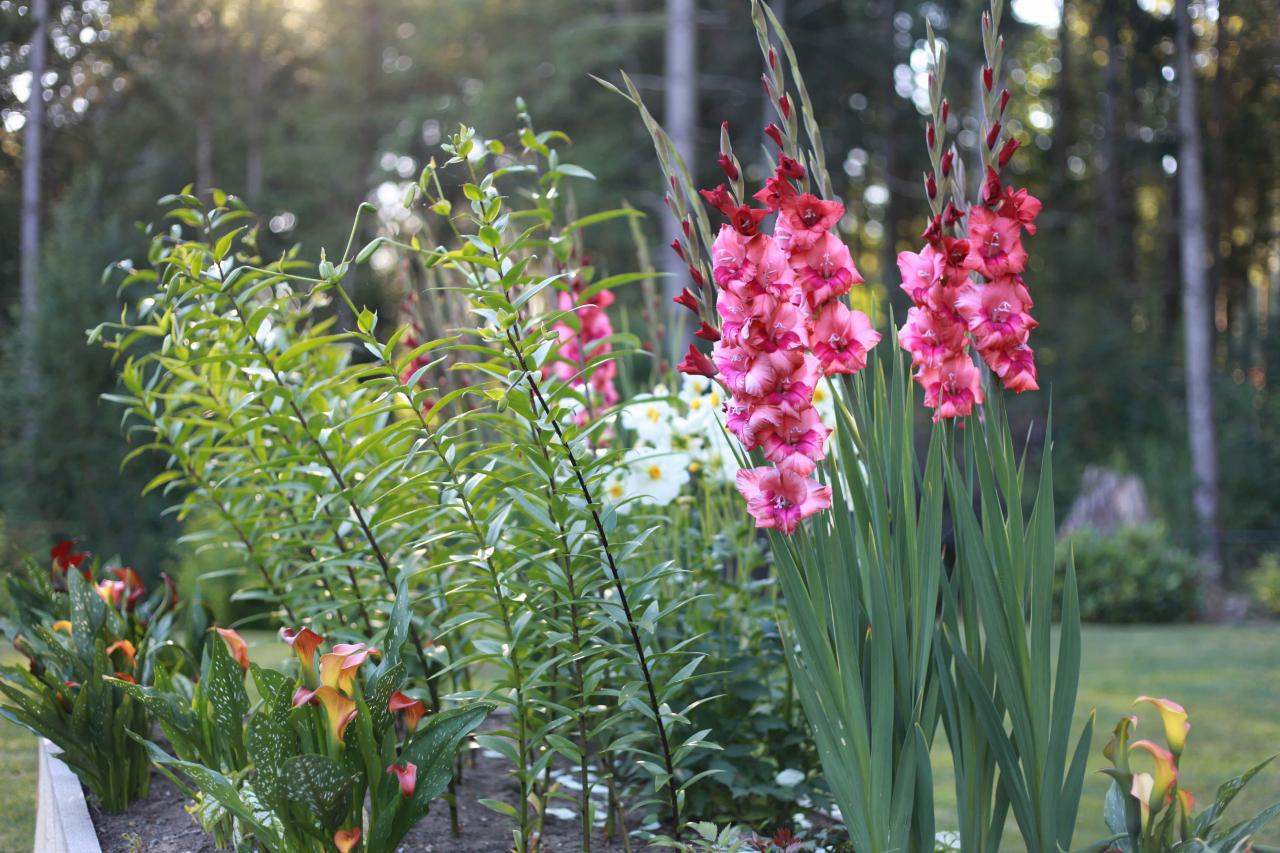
(649, 419)
(656, 477)
(824, 400)
(718, 459)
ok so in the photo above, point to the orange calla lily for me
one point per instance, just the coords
(1187, 800)
(1166, 771)
(414, 709)
(304, 644)
(339, 709)
(408, 776)
(1140, 790)
(124, 676)
(346, 839)
(339, 667)
(63, 625)
(237, 647)
(130, 653)
(1174, 717)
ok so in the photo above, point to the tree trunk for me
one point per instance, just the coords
(680, 112)
(256, 81)
(32, 149)
(1196, 315)
(1064, 122)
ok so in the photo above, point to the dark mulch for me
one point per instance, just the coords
(159, 823)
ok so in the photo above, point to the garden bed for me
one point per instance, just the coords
(160, 824)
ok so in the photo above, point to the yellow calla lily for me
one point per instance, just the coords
(63, 625)
(339, 709)
(1174, 717)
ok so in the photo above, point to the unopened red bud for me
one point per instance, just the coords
(707, 332)
(724, 125)
(771, 131)
(930, 186)
(930, 135)
(946, 163)
(726, 166)
(946, 110)
(993, 134)
(1006, 151)
(677, 248)
(1004, 100)
(687, 299)
(789, 168)
(784, 104)
(773, 59)
(696, 275)
(986, 21)
(687, 227)
(988, 76)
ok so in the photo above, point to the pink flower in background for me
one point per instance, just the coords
(779, 498)
(580, 347)
(841, 338)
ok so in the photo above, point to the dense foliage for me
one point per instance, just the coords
(1133, 575)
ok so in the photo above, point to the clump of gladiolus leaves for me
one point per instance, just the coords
(76, 632)
(1150, 812)
(782, 327)
(339, 756)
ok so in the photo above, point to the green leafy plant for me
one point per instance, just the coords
(339, 758)
(1150, 812)
(81, 638)
(1133, 575)
(1264, 583)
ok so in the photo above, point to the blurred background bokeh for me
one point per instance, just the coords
(306, 108)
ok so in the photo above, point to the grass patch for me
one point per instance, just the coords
(1227, 677)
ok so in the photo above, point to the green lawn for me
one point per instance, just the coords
(1227, 677)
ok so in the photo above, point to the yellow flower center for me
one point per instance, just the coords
(653, 414)
(655, 472)
(715, 399)
(819, 395)
(615, 490)
(694, 467)
(695, 404)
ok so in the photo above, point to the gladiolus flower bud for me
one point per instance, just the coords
(677, 248)
(773, 59)
(930, 136)
(771, 130)
(1006, 151)
(687, 227)
(790, 168)
(947, 159)
(930, 186)
(688, 300)
(707, 332)
(946, 110)
(1004, 100)
(696, 275)
(993, 134)
(726, 166)
(696, 364)
(988, 76)
(784, 104)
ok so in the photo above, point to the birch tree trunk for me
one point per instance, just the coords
(1197, 314)
(29, 285)
(680, 112)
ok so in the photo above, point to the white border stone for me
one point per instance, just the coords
(62, 815)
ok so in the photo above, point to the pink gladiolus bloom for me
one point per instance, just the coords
(797, 442)
(579, 347)
(777, 192)
(1022, 206)
(779, 326)
(796, 389)
(842, 337)
(825, 270)
(995, 242)
(779, 498)
(729, 257)
(995, 315)
(931, 336)
(952, 388)
(1015, 366)
(773, 273)
(807, 218)
(921, 274)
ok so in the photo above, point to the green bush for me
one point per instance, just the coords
(1264, 583)
(1133, 575)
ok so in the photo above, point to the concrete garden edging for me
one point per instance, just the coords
(62, 814)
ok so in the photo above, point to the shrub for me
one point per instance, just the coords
(1133, 575)
(74, 633)
(1264, 583)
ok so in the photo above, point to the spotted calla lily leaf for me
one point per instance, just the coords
(319, 791)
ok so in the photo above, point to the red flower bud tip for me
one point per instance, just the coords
(946, 110)
(707, 333)
(784, 104)
(696, 275)
(993, 134)
(930, 136)
(986, 21)
(930, 186)
(988, 76)
(933, 233)
(408, 776)
(1004, 100)
(724, 125)
(687, 227)
(1006, 151)
(726, 166)
(771, 131)
(687, 299)
(947, 159)
(677, 248)
(773, 59)
(696, 364)
(952, 214)
(789, 168)
(991, 189)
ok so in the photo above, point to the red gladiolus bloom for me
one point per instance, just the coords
(696, 364)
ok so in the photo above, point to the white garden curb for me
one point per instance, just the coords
(62, 815)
